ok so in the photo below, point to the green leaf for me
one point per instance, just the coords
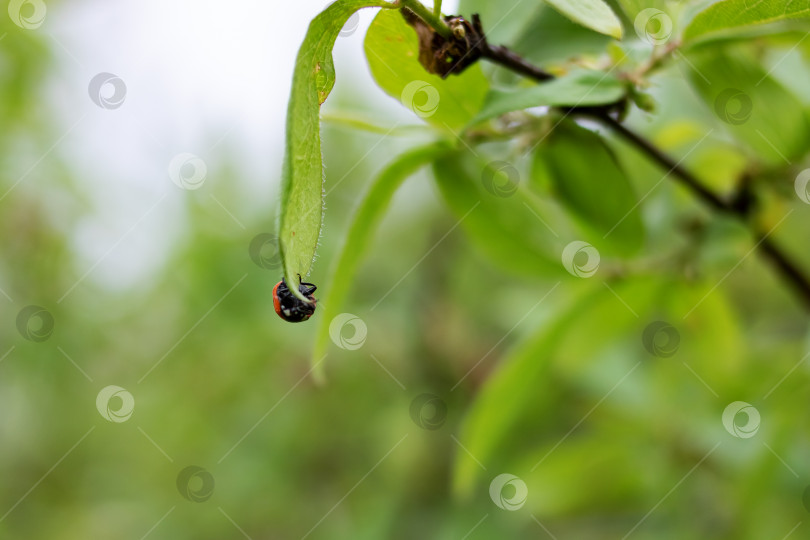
(524, 388)
(501, 218)
(521, 378)
(551, 38)
(360, 122)
(711, 336)
(563, 482)
(502, 20)
(579, 88)
(364, 223)
(587, 178)
(593, 14)
(632, 8)
(392, 51)
(301, 209)
(730, 15)
(751, 104)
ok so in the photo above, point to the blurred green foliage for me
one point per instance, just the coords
(554, 378)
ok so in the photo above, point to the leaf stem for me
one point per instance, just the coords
(354, 121)
(433, 20)
(437, 8)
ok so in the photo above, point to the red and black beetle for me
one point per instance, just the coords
(291, 308)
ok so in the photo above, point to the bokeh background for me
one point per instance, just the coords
(154, 289)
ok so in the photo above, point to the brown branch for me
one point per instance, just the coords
(786, 266)
(655, 154)
(504, 56)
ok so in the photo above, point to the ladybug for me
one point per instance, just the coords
(291, 308)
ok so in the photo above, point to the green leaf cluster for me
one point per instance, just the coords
(524, 176)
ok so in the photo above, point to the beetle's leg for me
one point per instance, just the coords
(311, 289)
(312, 285)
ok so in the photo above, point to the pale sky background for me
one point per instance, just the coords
(207, 77)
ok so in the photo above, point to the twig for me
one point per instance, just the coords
(507, 58)
(786, 266)
(654, 153)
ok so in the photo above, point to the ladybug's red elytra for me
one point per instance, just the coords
(291, 308)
